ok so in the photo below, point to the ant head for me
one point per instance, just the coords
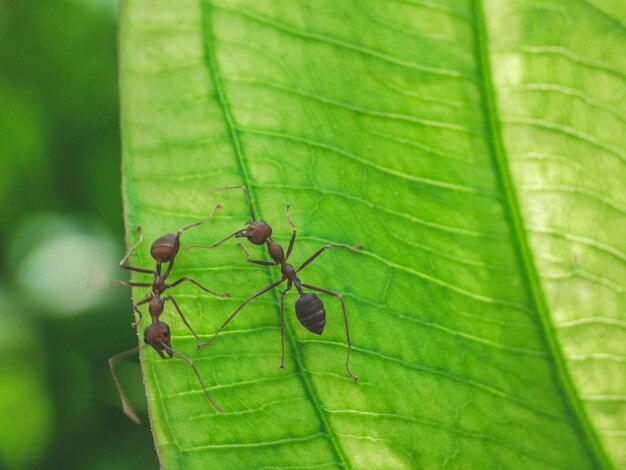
(163, 248)
(157, 335)
(256, 232)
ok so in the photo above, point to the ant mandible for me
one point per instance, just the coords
(309, 308)
(164, 250)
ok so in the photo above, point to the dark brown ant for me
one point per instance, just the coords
(157, 334)
(309, 308)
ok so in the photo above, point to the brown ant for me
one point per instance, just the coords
(164, 250)
(309, 308)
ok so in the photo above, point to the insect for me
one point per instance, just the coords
(309, 308)
(164, 250)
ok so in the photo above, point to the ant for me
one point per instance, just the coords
(309, 308)
(164, 250)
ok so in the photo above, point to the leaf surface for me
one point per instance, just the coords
(474, 148)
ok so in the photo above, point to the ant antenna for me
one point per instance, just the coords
(238, 234)
(134, 247)
(245, 191)
(195, 371)
(217, 207)
(127, 407)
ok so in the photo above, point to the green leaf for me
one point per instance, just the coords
(475, 148)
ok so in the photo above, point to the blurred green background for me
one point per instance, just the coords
(61, 217)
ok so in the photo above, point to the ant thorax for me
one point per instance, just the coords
(288, 271)
(158, 285)
(275, 251)
(156, 307)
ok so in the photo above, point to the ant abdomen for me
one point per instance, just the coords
(310, 312)
(163, 248)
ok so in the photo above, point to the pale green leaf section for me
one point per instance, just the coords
(395, 124)
(560, 74)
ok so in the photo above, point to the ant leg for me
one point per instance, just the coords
(180, 232)
(100, 280)
(326, 247)
(195, 371)
(255, 261)
(136, 309)
(345, 321)
(245, 191)
(136, 306)
(130, 284)
(245, 302)
(293, 234)
(127, 407)
(188, 279)
(282, 324)
(169, 297)
(125, 266)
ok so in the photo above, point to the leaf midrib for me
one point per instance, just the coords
(499, 157)
(210, 53)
